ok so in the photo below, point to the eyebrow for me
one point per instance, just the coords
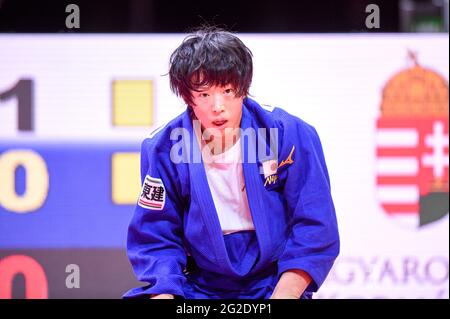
(204, 89)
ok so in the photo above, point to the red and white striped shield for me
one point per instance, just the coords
(413, 168)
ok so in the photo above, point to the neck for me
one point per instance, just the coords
(220, 144)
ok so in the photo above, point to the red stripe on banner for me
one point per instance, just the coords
(414, 123)
(398, 180)
(401, 208)
(384, 151)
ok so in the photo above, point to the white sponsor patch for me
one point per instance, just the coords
(153, 194)
(269, 168)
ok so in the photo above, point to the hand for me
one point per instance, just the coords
(291, 285)
(162, 296)
(284, 296)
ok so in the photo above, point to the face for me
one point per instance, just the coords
(218, 108)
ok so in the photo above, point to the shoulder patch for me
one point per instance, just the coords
(153, 194)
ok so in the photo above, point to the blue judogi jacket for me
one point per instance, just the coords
(292, 210)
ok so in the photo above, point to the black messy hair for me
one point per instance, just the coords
(210, 56)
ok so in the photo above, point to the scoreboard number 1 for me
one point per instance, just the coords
(23, 91)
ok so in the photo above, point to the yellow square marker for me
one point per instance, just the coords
(126, 182)
(132, 103)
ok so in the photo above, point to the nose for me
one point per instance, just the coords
(218, 105)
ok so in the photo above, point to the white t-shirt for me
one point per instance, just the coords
(227, 185)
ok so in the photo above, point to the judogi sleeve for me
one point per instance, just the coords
(154, 244)
(313, 243)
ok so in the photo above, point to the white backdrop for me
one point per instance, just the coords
(334, 82)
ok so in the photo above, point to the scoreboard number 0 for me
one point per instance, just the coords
(36, 285)
(36, 185)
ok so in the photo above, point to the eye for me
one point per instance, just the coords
(203, 95)
(228, 91)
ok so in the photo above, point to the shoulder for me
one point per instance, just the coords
(276, 116)
(160, 139)
(156, 155)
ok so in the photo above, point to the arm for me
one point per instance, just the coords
(154, 244)
(313, 243)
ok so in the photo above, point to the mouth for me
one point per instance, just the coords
(219, 123)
